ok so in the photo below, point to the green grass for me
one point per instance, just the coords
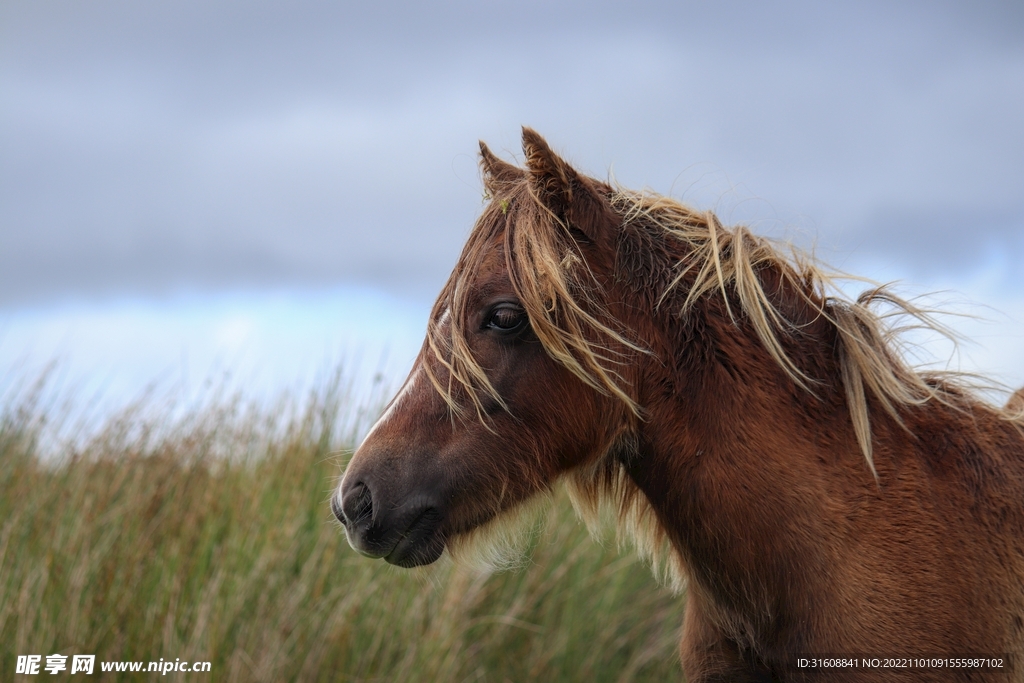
(208, 537)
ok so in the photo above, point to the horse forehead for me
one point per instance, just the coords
(491, 270)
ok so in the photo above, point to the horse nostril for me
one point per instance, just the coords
(336, 509)
(356, 504)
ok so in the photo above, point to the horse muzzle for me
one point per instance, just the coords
(405, 532)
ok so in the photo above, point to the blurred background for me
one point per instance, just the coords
(197, 193)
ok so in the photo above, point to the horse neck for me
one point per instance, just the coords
(727, 446)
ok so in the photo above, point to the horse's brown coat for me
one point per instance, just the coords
(677, 410)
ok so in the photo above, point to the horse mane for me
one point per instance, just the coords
(726, 262)
(697, 257)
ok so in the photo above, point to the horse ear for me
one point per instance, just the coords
(569, 195)
(497, 173)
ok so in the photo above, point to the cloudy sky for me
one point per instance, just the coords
(273, 188)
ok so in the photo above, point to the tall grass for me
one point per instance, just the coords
(208, 538)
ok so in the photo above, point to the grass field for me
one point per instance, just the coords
(207, 537)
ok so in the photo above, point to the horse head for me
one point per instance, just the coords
(522, 376)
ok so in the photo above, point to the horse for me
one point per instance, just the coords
(833, 513)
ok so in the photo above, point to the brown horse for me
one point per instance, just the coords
(817, 496)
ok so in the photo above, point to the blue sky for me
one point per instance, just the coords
(268, 189)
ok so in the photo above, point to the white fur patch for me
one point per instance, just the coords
(625, 508)
(502, 543)
(406, 389)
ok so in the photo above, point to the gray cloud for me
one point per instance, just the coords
(146, 148)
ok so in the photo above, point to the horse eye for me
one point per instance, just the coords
(506, 318)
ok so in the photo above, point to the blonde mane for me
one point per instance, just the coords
(721, 261)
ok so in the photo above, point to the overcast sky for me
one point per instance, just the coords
(192, 151)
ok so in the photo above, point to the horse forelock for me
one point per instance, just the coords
(553, 282)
